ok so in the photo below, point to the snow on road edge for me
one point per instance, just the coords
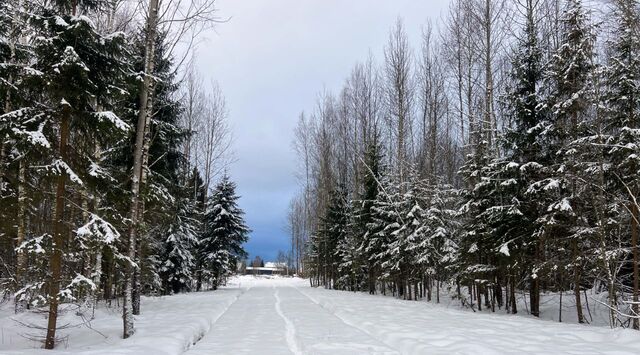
(421, 328)
(169, 325)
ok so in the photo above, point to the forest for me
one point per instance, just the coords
(488, 164)
(496, 159)
(113, 158)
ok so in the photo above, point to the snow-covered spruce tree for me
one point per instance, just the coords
(178, 260)
(75, 76)
(13, 72)
(351, 267)
(405, 250)
(438, 247)
(505, 247)
(476, 244)
(565, 223)
(363, 212)
(313, 263)
(524, 163)
(220, 244)
(621, 98)
(388, 219)
(332, 231)
(492, 241)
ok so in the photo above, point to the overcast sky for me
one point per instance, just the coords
(271, 59)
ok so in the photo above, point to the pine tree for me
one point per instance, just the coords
(220, 245)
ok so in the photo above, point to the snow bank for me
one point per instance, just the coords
(168, 326)
(423, 328)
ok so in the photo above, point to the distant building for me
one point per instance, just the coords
(269, 268)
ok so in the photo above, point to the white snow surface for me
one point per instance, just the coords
(277, 315)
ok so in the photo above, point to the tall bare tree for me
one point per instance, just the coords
(214, 136)
(399, 94)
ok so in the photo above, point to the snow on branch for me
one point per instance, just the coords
(99, 229)
(60, 167)
(36, 137)
(108, 116)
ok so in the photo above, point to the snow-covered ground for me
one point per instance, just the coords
(286, 316)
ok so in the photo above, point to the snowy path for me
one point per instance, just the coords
(321, 332)
(281, 320)
(288, 317)
(252, 319)
(285, 316)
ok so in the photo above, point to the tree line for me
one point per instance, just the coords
(500, 157)
(112, 157)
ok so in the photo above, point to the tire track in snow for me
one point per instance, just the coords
(215, 320)
(289, 327)
(348, 323)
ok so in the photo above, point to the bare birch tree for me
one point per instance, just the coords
(180, 20)
(213, 137)
(399, 94)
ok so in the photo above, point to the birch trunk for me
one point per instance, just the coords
(144, 116)
(21, 232)
(636, 273)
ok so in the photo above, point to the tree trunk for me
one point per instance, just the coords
(372, 283)
(109, 275)
(144, 116)
(55, 263)
(560, 307)
(576, 281)
(636, 275)
(489, 119)
(21, 169)
(135, 292)
(487, 299)
(534, 292)
(21, 257)
(512, 296)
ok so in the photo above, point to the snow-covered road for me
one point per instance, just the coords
(285, 316)
(283, 320)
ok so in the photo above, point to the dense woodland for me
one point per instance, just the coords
(499, 157)
(112, 158)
